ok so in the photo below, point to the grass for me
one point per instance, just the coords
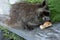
(54, 6)
(33, 1)
(9, 35)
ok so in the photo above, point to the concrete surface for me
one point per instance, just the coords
(52, 33)
(1, 35)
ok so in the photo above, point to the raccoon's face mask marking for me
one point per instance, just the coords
(43, 9)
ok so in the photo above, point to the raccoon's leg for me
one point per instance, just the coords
(30, 26)
(19, 25)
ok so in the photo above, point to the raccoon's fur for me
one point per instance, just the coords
(26, 15)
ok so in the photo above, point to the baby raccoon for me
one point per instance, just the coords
(26, 15)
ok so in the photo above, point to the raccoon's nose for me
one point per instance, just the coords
(46, 18)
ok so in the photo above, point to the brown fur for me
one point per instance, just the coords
(26, 15)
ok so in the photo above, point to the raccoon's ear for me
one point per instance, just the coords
(44, 3)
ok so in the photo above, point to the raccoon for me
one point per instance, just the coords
(25, 15)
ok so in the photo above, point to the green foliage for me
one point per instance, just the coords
(34, 1)
(54, 6)
(10, 35)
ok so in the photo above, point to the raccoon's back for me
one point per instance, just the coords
(24, 6)
(23, 9)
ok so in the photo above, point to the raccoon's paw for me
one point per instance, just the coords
(45, 25)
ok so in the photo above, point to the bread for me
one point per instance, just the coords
(45, 25)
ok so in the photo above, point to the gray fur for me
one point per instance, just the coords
(26, 15)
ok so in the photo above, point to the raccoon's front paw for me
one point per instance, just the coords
(30, 28)
(45, 25)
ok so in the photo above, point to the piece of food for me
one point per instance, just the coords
(42, 27)
(45, 25)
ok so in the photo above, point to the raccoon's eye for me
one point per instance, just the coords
(46, 13)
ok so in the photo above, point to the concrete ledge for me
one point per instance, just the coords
(52, 33)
